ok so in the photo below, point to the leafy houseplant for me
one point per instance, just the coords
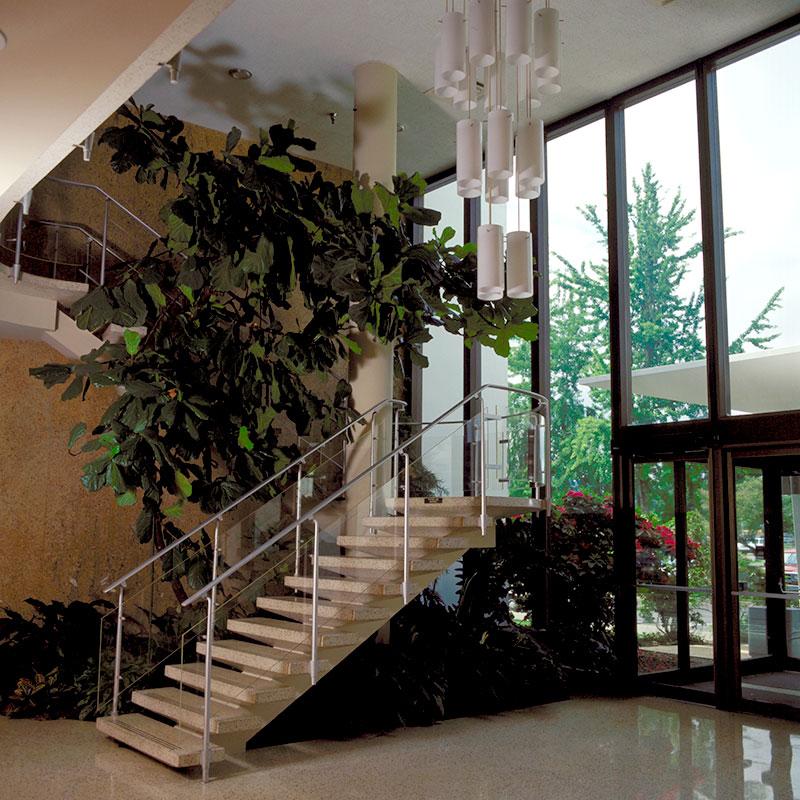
(255, 289)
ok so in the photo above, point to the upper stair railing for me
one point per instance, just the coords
(99, 239)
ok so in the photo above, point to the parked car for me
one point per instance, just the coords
(790, 570)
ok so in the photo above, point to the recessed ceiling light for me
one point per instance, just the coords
(240, 74)
(3, 40)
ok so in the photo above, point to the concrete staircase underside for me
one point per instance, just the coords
(32, 310)
(265, 664)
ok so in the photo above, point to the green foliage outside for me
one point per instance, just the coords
(666, 328)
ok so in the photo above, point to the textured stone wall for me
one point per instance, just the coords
(56, 539)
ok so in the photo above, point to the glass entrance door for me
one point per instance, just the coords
(675, 629)
(767, 596)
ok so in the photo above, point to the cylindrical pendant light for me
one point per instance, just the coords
(441, 86)
(490, 262)
(519, 276)
(547, 43)
(482, 32)
(518, 32)
(454, 47)
(550, 87)
(500, 144)
(464, 98)
(530, 158)
(469, 152)
(497, 190)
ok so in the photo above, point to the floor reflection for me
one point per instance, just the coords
(700, 754)
(582, 749)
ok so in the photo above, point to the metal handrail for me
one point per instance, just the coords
(309, 515)
(94, 187)
(74, 226)
(218, 516)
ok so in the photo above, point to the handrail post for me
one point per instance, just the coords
(55, 251)
(118, 654)
(547, 457)
(483, 465)
(18, 247)
(105, 245)
(395, 444)
(314, 605)
(372, 455)
(211, 600)
(298, 514)
(406, 526)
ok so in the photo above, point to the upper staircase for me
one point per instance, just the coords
(301, 581)
(46, 265)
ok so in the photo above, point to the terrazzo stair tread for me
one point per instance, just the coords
(347, 588)
(186, 708)
(395, 542)
(261, 657)
(355, 565)
(301, 607)
(288, 634)
(175, 747)
(496, 507)
(421, 525)
(229, 684)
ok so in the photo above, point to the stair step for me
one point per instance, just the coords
(175, 747)
(289, 635)
(496, 507)
(249, 655)
(422, 525)
(394, 543)
(186, 708)
(230, 684)
(349, 589)
(355, 565)
(300, 608)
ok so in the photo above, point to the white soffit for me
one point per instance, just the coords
(302, 53)
(765, 380)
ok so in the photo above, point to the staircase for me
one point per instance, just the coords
(46, 265)
(358, 559)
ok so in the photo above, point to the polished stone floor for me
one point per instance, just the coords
(586, 749)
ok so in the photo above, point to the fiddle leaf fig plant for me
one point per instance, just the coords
(264, 272)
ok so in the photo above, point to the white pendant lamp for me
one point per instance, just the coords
(496, 40)
(519, 274)
(497, 190)
(464, 98)
(500, 144)
(441, 86)
(518, 32)
(469, 157)
(551, 87)
(482, 39)
(547, 43)
(490, 262)
(530, 158)
(454, 47)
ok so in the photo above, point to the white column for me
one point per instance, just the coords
(372, 372)
(374, 161)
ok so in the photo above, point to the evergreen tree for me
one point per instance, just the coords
(666, 328)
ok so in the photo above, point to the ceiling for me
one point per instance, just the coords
(302, 53)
